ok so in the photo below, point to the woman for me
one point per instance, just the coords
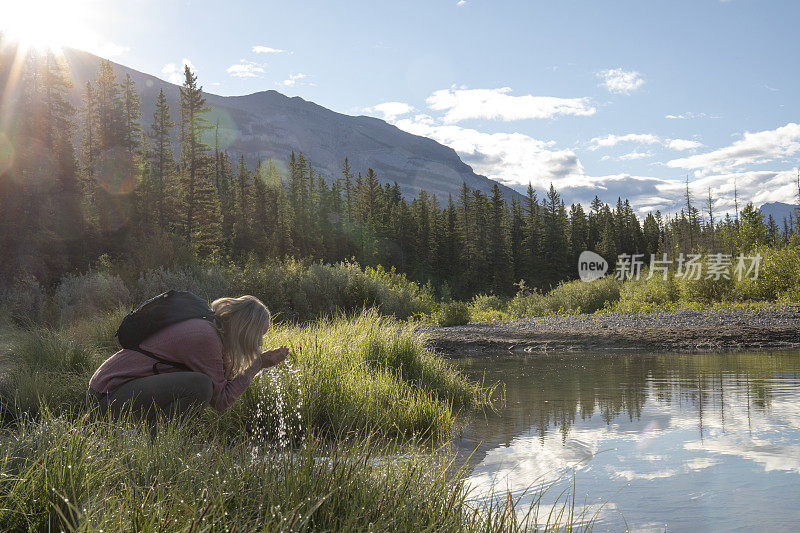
(223, 360)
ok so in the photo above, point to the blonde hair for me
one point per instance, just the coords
(242, 321)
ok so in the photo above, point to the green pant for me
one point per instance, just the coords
(173, 393)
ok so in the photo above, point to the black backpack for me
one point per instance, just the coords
(156, 314)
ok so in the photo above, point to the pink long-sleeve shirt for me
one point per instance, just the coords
(195, 343)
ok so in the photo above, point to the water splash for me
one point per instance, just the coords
(278, 423)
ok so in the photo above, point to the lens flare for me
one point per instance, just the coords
(52, 24)
(227, 133)
(115, 171)
(647, 435)
(6, 154)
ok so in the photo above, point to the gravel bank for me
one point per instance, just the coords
(688, 330)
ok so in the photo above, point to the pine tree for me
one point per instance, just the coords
(652, 236)
(424, 245)
(607, 246)
(554, 238)
(752, 228)
(500, 261)
(593, 224)
(452, 242)
(772, 231)
(163, 163)
(533, 238)
(224, 183)
(201, 204)
(89, 140)
(404, 233)
(64, 222)
(242, 208)
(131, 113)
(517, 239)
(261, 226)
(110, 114)
(347, 176)
(710, 227)
(579, 232)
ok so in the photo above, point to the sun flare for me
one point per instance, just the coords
(49, 24)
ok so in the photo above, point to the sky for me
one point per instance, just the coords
(607, 98)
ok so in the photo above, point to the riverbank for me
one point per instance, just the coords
(687, 330)
(364, 406)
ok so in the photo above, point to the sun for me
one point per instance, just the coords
(47, 24)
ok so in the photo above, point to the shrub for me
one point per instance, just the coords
(488, 309)
(648, 294)
(210, 282)
(487, 302)
(23, 301)
(568, 297)
(294, 290)
(585, 297)
(707, 289)
(779, 273)
(528, 303)
(86, 295)
(453, 314)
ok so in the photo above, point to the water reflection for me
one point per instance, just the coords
(692, 441)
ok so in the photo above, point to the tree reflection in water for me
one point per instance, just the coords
(684, 439)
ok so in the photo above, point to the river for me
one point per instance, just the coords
(701, 442)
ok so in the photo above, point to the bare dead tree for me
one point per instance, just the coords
(711, 219)
(797, 207)
(690, 213)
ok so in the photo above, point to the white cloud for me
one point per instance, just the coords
(296, 79)
(516, 159)
(612, 140)
(260, 49)
(642, 138)
(752, 148)
(683, 144)
(646, 193)
(511, 158)
(390, 111)
(620, 81)
(635, 155)
(463, 104)
(689, 115)
(173, 72)
(246, 69)
(461, 3)
(758, 186)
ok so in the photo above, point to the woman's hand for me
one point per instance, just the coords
(274, 357)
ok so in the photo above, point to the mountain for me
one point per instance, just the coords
(270, 124)
(779, 212)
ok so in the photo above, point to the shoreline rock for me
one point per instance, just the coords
(691, 330)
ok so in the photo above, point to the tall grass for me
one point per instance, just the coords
(365, 372)
(67, 474)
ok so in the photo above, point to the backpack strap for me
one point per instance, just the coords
(161, 360)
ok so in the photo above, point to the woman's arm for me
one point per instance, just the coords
(274, 357)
